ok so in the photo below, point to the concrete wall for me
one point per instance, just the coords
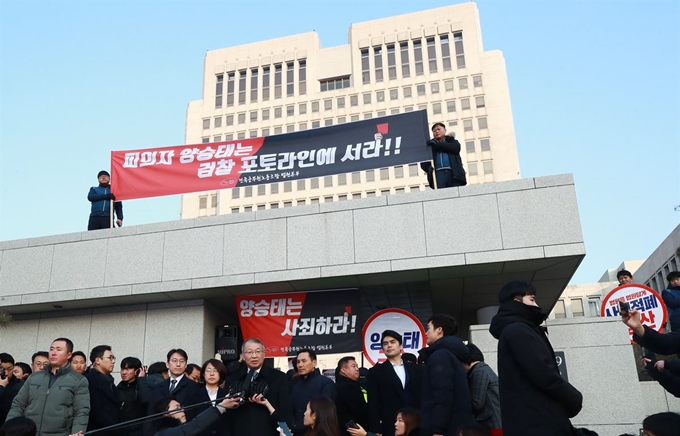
(600, 364)
(143, 331)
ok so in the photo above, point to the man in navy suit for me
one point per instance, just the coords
(392, 385)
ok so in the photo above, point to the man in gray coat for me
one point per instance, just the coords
(57, 398)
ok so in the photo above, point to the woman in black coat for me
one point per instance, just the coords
(174, 423)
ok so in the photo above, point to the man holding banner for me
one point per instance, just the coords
(448, 166)
(101, 198)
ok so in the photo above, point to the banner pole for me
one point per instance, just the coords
(434, 175)
(111, 214)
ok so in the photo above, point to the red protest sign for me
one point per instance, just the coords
(653, 312)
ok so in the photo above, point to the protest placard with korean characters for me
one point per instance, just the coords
(652, 309)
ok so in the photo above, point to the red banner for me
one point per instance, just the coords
(325, 322)
(345, 148)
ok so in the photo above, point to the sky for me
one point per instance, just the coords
(594, 85)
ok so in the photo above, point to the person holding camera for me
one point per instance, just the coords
(9, 385)
(133, 392)
(266, 397)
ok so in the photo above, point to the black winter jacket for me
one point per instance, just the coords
(452, 147)
(104, 402)
(134, 398)
(7, 394)
(306, 388)
(445, 403)
(350, 403)
(535, 399)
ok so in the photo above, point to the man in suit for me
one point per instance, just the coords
(392, 385)
(266, 391)
(104, 401)
(186, 391)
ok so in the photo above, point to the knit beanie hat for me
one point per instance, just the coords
(103, 173)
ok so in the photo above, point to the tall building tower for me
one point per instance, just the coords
(431, 60)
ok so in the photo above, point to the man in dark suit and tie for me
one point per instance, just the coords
(179, 386)
(392, 385)
(104, 401)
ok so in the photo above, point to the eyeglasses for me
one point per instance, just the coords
(180, 361)
(253, 352)
(211, 371)
(112, 358)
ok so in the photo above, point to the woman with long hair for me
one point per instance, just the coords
(407, 423)
(321, 417)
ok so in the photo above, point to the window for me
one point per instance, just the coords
(367, 98)
(241, 135)
(381, 113)
(252, 134)
(253, 84)
(328, 122)
(277, 130)
(287, 186)
(482, 123)
(314, 200)
(407, 91)
(340, 102)
(229, 137)
(274, 206)
(242, 87)
(377, 59)
(265, 114)
(328, 104)
(302, 108)
(265, 83)
(230, 89)
(420, 89)
(219, 85)
(290, 77)
(559, 309)
(370, 176)
(328, 199)
(290, 110)
(394, 111)
(399, 190)
(391, 63)
(234, 210)
(314, 183)
(472, 168)
(446, 52)
(418, 56)
(354, 118)
(465, 103)
(448, 85)
(342, 197)
(290, 128)
(302, 126)
(300, 185)
(436, 108)
(341, 120)
(488, 166)
(408, 109)
(577, 307)
(315, 106)
(460, 54)
(205, 140)
(242, 118)
(302, 77)
(394, 94)
(434, 87)
(453, 123)
(380, 96)
(287, 204)
(253, 116)
(354, 100)
(274, 188)
(218, 122)
(370, 194)
(342, 179)
(485, 144)
(217, 138)
(368, 115)
(477, 81)
(261, 189)
(431, 55)
(384, 173)
(403, 48)
(278, 69)
(413, 170)
(384, 192)
(248, 191)
(463, 83)
(414, 188)
(470, 146)
(278, 112)
(206, 123)
(356, 178)
(203, 202)
(594, 306)
(316, 124)
(230, 120)
(247, 208)
(335, 83)
(399, 172)
(451, 106)
(479, 101)
(328, 181)
(467, 125)
(365, 69)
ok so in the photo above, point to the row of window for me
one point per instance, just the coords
(658, 281)
(577, 308)
(260, 91)
(383, 59)
(366, 98)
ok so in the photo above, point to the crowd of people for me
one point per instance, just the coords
(447, 390)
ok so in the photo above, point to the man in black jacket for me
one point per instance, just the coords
(445, 403)
(134, 393)
(257, 381)
(9, 385)
(104, 401)
(392, 385)
(309, 384)
(535, 399)
(448, 166)
(351, 400)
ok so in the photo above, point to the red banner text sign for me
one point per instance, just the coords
(345, 148)
(325, 321)
(652, 309)
(402, 322)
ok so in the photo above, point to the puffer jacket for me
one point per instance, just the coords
(100, 197)
(58, 409)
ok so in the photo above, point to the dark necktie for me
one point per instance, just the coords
(173, 382)
(247, 381)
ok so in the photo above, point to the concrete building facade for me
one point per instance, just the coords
(431, 60)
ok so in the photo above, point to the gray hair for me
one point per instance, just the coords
(255, 340)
